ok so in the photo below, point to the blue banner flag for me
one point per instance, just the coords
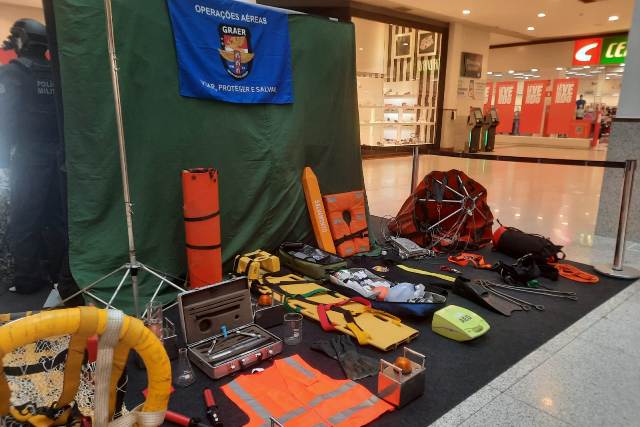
(232, 51)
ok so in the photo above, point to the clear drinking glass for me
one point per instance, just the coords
(183, 374)
(154, 318)
(292, 328)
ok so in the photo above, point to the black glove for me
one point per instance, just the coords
(324, 347)
(355, 365)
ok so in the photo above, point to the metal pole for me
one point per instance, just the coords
(618, 269)
(415, 168)
(123, 154)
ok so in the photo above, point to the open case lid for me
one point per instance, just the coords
(204, 311)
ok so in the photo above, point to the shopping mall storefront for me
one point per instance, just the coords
(400, 75)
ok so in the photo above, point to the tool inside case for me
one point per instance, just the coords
(218, 325)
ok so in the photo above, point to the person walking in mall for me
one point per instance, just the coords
(580, 106)
(30, 146)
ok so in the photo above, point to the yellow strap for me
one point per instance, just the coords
(427, 273)
(120, 355)
(361, 336)
(39, 420)
(75, 356)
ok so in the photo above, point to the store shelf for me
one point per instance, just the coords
(393, 124)
(400, 96)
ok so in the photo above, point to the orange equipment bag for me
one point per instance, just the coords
(446, 211)
(202, 226)
(348, 222)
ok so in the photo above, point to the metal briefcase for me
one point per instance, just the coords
(217, 322)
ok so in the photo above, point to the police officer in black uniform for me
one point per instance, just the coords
(30, 146)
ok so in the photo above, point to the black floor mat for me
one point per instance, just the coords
(454, 370)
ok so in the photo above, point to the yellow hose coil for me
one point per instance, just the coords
(133, 334)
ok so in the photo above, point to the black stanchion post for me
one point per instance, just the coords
(618, 269)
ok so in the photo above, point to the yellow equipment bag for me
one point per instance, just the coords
(253, 263)
(334, 311)
(118, 334)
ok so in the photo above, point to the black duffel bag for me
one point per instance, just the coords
(516, 243)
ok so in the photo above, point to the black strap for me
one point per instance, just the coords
(45, 364)
(202, 218)
(358, 234)
(203, 248)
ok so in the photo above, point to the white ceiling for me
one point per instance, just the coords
(27, 3)
(512, 17)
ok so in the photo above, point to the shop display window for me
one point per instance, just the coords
(398, 72)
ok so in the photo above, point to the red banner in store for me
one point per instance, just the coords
(533, 97)
(504, 102)
(488, 97)
(562, 110)
(6, 56)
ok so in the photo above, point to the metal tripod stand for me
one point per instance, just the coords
(133, 267)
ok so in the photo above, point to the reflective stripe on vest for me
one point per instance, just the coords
(344, 415)
(249, 400)
(325, 418)
(297, 366)
(264, 413)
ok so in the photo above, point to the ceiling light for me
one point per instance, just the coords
(607, 78)
(622, 65)
(587, 66)
(498, 75)
(467, 12)
(510, 71)
(490, 72)
(541, 15)
(614, 18)
(534, 69)
(531, 28)
(405, 44)
(559, 68)
(360, 49)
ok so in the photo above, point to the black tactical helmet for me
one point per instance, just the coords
(26, 34)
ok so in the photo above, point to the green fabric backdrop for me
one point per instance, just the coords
(260, 150)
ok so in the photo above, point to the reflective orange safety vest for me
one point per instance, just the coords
(347, 217)
(297, 395)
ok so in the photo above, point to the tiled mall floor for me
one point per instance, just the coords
(588, 374)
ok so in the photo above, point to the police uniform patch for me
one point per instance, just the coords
(235, 51)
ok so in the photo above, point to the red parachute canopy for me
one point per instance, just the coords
(447, 210)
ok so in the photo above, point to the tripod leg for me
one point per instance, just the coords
(134, 285)
(115, 293)
(162, 278)
(86, 289)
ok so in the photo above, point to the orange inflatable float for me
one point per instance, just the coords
(348, 222)
(202, 226)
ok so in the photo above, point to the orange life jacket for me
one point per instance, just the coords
(348, 222)
(202, 226)
(297, 395)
